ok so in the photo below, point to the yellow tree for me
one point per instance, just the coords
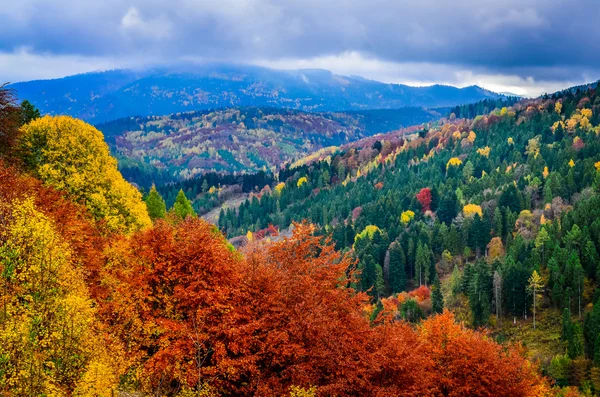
(71, 155)
(535, 286)
(48, 343)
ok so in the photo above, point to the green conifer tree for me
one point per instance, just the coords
(157, 208)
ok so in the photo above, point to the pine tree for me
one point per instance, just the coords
(183, 207)
(397, 268)
(28, 112)
(157, 208)
(437, 298)
(447, 209)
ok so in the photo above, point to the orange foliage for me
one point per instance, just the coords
(421, 294)
(468, 363)
(189, 312)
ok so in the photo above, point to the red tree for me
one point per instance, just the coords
(424, 197)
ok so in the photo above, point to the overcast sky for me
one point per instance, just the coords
(526, 47)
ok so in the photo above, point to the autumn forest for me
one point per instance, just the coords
(455, 253)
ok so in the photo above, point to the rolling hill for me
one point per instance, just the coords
(101, 96)
(244, 139)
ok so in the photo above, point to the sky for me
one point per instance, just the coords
(525, 47)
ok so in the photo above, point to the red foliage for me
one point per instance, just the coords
(379, 185)
(578, 144)
(422, 293)
(356, 213)
(424, 197)
(189, 308)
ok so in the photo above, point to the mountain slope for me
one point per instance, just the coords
(243, 139)
(102, 96)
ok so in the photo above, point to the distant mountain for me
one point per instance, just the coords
(244, 139)
(102, 96)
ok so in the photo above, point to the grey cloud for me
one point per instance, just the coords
(531, 38)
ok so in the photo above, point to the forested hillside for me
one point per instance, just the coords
(495, 217)
(104, 294)
(184, 145)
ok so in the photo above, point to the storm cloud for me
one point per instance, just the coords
(526, 45)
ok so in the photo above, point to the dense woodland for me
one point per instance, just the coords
(503, 208)
(106, 292)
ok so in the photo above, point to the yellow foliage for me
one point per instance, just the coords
(71, 155)
(597, 165)
(457, 135)
(471, 137)
(533, 147)
(47, 316)
(546, 172)
(296, 391)
(249, 235)
(407, 216)
(503, 111)
(484, 151)
(279, 188)
(302, 181)
(571, 163)
(212, 190)
(510, 141)
(556, 125)
(453, 162)
(558, 107)
(587, 113)
(470, 210)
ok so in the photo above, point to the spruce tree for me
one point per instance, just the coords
(437, 299)
(397, 268)
(157, 208)
(28, 112)
(183, 207)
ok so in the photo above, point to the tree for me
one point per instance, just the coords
(182, 207)
(535, 286)
(424, 197)
(540, 242)
(72, 156)
(467, 363)
(437, 299)
(9, 119)
(422, 263)
(497, 293)
(397, 268)
(204, 186)
(447, 209)
(48, 338)
(157, 208)
(28, 112)
(411, 312)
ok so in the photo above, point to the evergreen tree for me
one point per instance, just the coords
(397, 268)
(437, 299)
(447, 209)
(28, 112)
(183, 207)
(157, 208)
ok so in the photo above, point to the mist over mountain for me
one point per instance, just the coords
(108, 95)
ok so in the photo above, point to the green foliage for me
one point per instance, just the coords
(157, 208)
(28, 112)
(437, 299)
(182, 207)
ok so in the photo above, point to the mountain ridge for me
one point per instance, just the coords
(108, 95)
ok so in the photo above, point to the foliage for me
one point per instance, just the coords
(157, 208)
(71, 156)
